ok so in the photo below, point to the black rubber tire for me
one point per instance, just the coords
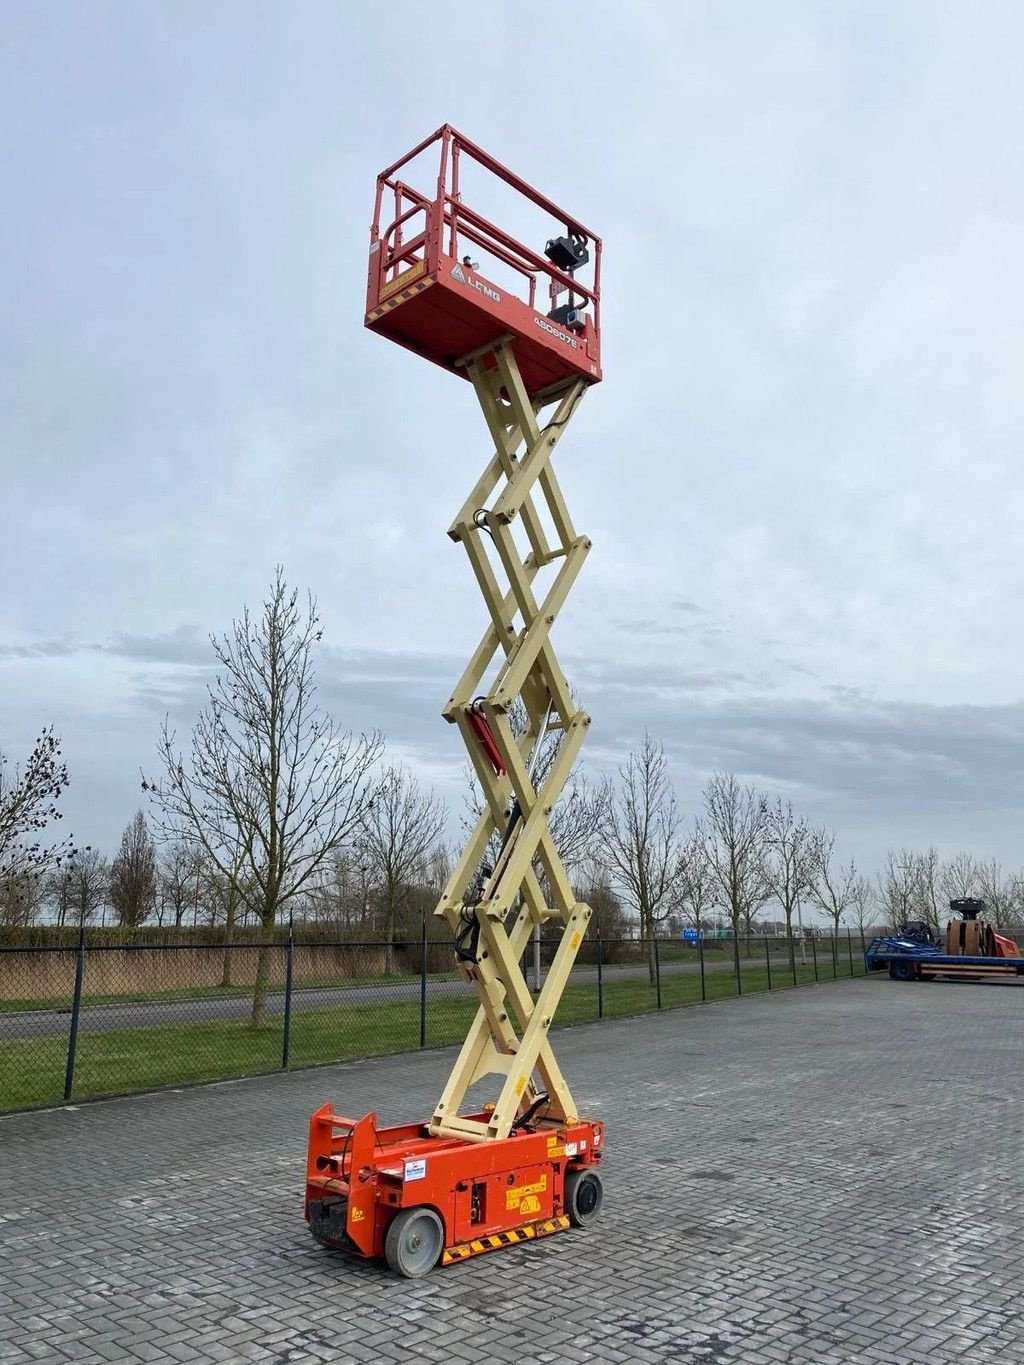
(903, 971)
(584, 1195)
(414, 1242)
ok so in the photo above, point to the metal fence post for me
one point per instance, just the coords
(835, 964)
(423, 983)
(600, 975)
(792, 953)
(849, 949)
(736, 960)
(768, 958)
(657, 971)
(76, 1010)
(700, 948)
(286, 1043)
(814, 951)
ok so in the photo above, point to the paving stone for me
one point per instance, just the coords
(790, 1178)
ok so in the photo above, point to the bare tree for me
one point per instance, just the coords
(90, 883)
(864, 902)
(929, 901)
(28, 805)
(220, 899)
(897, 886)
(79, 890)
(734, 833)
(334, 896)
(133, 875)
(639, 835)
(608, 920)
(960, 877)
(572, 821)
(1014, 916)
(269, 788)
(833, 887)
(58, 887)
(439, 868)
(22, 896)
(179, 881)
(792, 852)
(396, 839)
(997, 891)
(695, 877)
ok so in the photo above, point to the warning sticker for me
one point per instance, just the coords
(405, 278)
(522, 1197)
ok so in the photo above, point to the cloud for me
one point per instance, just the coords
(183, 645)
(40, 649)
(801, 473)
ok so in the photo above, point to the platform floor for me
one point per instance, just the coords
(833, 1174)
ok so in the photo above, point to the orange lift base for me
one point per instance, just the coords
(369, 1188)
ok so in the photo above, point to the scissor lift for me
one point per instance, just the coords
(525, 1165)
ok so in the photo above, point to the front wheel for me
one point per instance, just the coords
(584, 1195)
(414, 1242)
(903, 971)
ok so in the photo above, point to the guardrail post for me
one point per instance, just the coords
(286, 1043)
(600, 975)
(657, 971)
(423, 983)
(736, 959)
(814, 953)
(700, 947)
(76, 1010)
(768, 958)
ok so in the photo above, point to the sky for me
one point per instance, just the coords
(800, 473)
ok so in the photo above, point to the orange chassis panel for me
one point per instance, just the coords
(359, 1176)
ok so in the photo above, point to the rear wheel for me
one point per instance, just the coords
(584, 1195)
(414, 1242)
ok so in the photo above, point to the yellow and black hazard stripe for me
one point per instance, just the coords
(397, 298)
(528, 1232)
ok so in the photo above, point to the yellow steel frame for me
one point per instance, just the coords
(509, 1036)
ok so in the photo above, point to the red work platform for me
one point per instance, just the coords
(425, 291)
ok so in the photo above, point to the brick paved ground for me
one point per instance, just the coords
(825, 1175)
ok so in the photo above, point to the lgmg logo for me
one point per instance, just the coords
(459, 274)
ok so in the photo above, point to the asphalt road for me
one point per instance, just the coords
(151, 1014)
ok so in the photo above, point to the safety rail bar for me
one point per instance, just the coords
(448, 216)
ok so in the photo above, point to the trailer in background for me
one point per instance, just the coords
(972, 950)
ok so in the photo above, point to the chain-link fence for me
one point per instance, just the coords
(105, 1019)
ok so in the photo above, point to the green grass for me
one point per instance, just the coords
(32, 1069)
(717, 954)
(63, 1003)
